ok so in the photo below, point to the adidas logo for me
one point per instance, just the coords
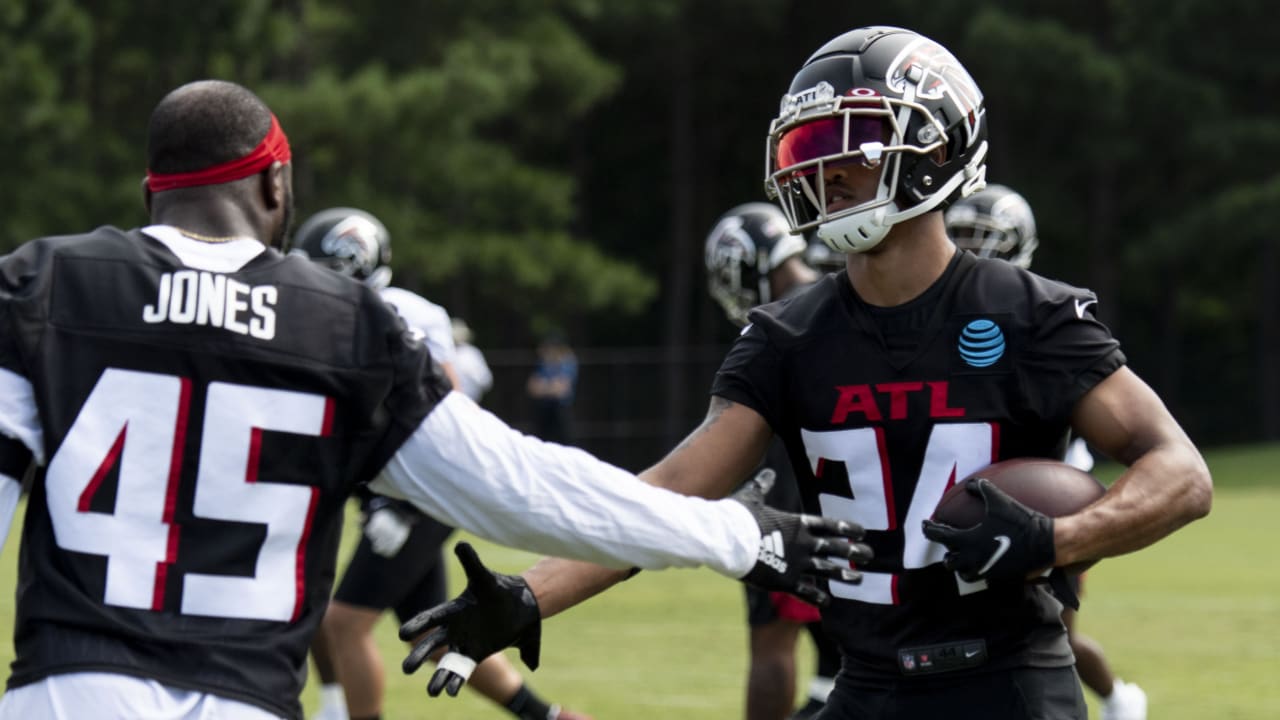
(772, 552)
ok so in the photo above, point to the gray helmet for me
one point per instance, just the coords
(994, 222)
(349, 241)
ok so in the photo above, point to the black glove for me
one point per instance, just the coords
(1010, 543)
(794, 549)
(495, 612)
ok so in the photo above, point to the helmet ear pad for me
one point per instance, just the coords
(918, 179)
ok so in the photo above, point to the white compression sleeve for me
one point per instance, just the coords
(467, 468)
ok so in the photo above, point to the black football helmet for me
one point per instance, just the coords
(886, 98)
(994, 222)
(347, 240)
(746, 244)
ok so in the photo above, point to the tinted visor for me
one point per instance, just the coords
(829, 137)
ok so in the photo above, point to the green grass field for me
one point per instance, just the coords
(1195, 620)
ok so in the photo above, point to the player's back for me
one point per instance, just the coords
(205, 412)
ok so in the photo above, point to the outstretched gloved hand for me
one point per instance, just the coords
(797, 552)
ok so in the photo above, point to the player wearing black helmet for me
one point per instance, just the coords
(994, 222)
(916, 366)
(752, 258)
(349, 241)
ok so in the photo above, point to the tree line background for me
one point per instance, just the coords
(557, 163)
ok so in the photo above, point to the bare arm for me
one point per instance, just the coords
(1166, 485)
(713, 460)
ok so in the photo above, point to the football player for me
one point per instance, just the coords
(997, 222)
(751, 259)
(551, 386)
(994, 222)
(916, 366)
(399, 561)
(475, 379)
(201, 407)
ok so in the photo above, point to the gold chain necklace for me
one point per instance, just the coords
(206, 238)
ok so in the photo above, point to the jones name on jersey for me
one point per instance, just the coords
(188, 297)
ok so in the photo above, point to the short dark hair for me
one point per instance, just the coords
(205, 123)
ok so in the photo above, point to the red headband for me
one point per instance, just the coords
(275, 146)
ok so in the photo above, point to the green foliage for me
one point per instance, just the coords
(445, 143)
(443, 121)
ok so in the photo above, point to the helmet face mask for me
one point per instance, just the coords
(881, 98)
(747, 243)
(995, 222)
(348, 241)
(825, 134)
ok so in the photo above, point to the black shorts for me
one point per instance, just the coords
(1016, 694)
(409, 582)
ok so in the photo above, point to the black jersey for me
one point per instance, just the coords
(784, 494)
(203, 430)
(883, 410)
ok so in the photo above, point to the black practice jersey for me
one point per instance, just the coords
(784, 494)
(202, 430)
(883, 409)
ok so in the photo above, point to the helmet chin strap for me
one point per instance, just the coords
(860, 231)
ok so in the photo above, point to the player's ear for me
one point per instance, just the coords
(274, 185)
(146, 195)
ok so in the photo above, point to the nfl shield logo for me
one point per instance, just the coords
(908, 661)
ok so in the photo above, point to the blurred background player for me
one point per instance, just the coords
(753, 259)
(474, 376)
(551, 388)
(388, 569)
(998, 223)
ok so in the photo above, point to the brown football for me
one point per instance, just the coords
(1049, 486)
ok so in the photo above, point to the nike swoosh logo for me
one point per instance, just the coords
(1080, 306)
(1002, 543)
(971, 653)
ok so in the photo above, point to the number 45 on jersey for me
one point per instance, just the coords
(137, 421)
